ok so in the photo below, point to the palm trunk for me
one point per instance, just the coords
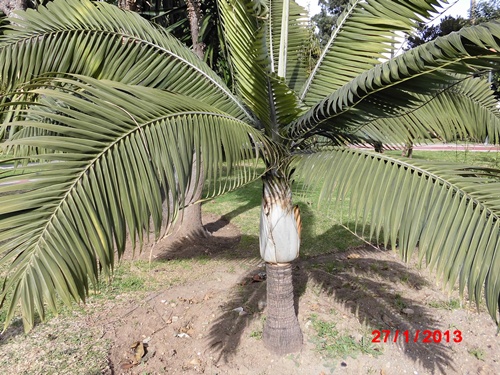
(282, 334)
(279, 245)
(194, 16)
(192, 225)
(408, 149)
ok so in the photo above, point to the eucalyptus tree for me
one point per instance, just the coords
(327, 17)
(8, 6)
(114, 134)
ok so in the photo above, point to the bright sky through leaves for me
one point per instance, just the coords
(456, 8)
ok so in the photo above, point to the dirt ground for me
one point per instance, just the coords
(208, 318)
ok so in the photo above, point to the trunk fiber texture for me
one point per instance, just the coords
(282, 333)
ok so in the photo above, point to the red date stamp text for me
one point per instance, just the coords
(426, 336)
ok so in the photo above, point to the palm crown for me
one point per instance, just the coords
(113, 111)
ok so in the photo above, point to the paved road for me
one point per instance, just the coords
(476, 147)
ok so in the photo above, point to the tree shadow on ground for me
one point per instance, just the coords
(358, 279)
(365, 287)
(362, 280)
(14, 329)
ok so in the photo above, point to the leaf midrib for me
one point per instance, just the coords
(134, 38)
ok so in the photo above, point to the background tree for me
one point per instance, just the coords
(426, 32)
(182, 18)
(195, 24)
(485, 10)
(8, 6)
(117, 138)
(326, 19)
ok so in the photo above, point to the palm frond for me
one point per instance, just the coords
(448, 212)
(262, 90)
(101, 41)
(364, 32)
(296, 40)
(116, 154)
(243, 24)
(399, 86)
(467, 110)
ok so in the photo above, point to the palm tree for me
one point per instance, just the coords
(113, 135)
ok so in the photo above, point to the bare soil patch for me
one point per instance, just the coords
(206, 316)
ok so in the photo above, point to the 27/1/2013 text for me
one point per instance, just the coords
(426, 337)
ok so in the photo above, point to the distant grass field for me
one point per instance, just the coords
(481, 159)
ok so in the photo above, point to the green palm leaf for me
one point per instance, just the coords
(259, 86)
(470, 110)
(399, 86)
(101, 41)
(117, 153)
(364, 32)
(296, 39)
(242, 29)
(448, 212)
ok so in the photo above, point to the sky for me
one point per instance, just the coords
(455, 7)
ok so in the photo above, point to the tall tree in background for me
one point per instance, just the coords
(426, 32)
(326, 19)
(180, 17)
(115, 132)
(8, 6)
(485, 10)
(131, 5)
(193, 12)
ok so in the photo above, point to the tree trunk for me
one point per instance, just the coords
(194, 16)
(408, 150)
(282, 334)
(378, 147)
(279, 240)
(192, 225)
(8, 6)
(132, 5)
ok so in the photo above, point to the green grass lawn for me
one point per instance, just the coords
(481, 159)
(321, 229)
